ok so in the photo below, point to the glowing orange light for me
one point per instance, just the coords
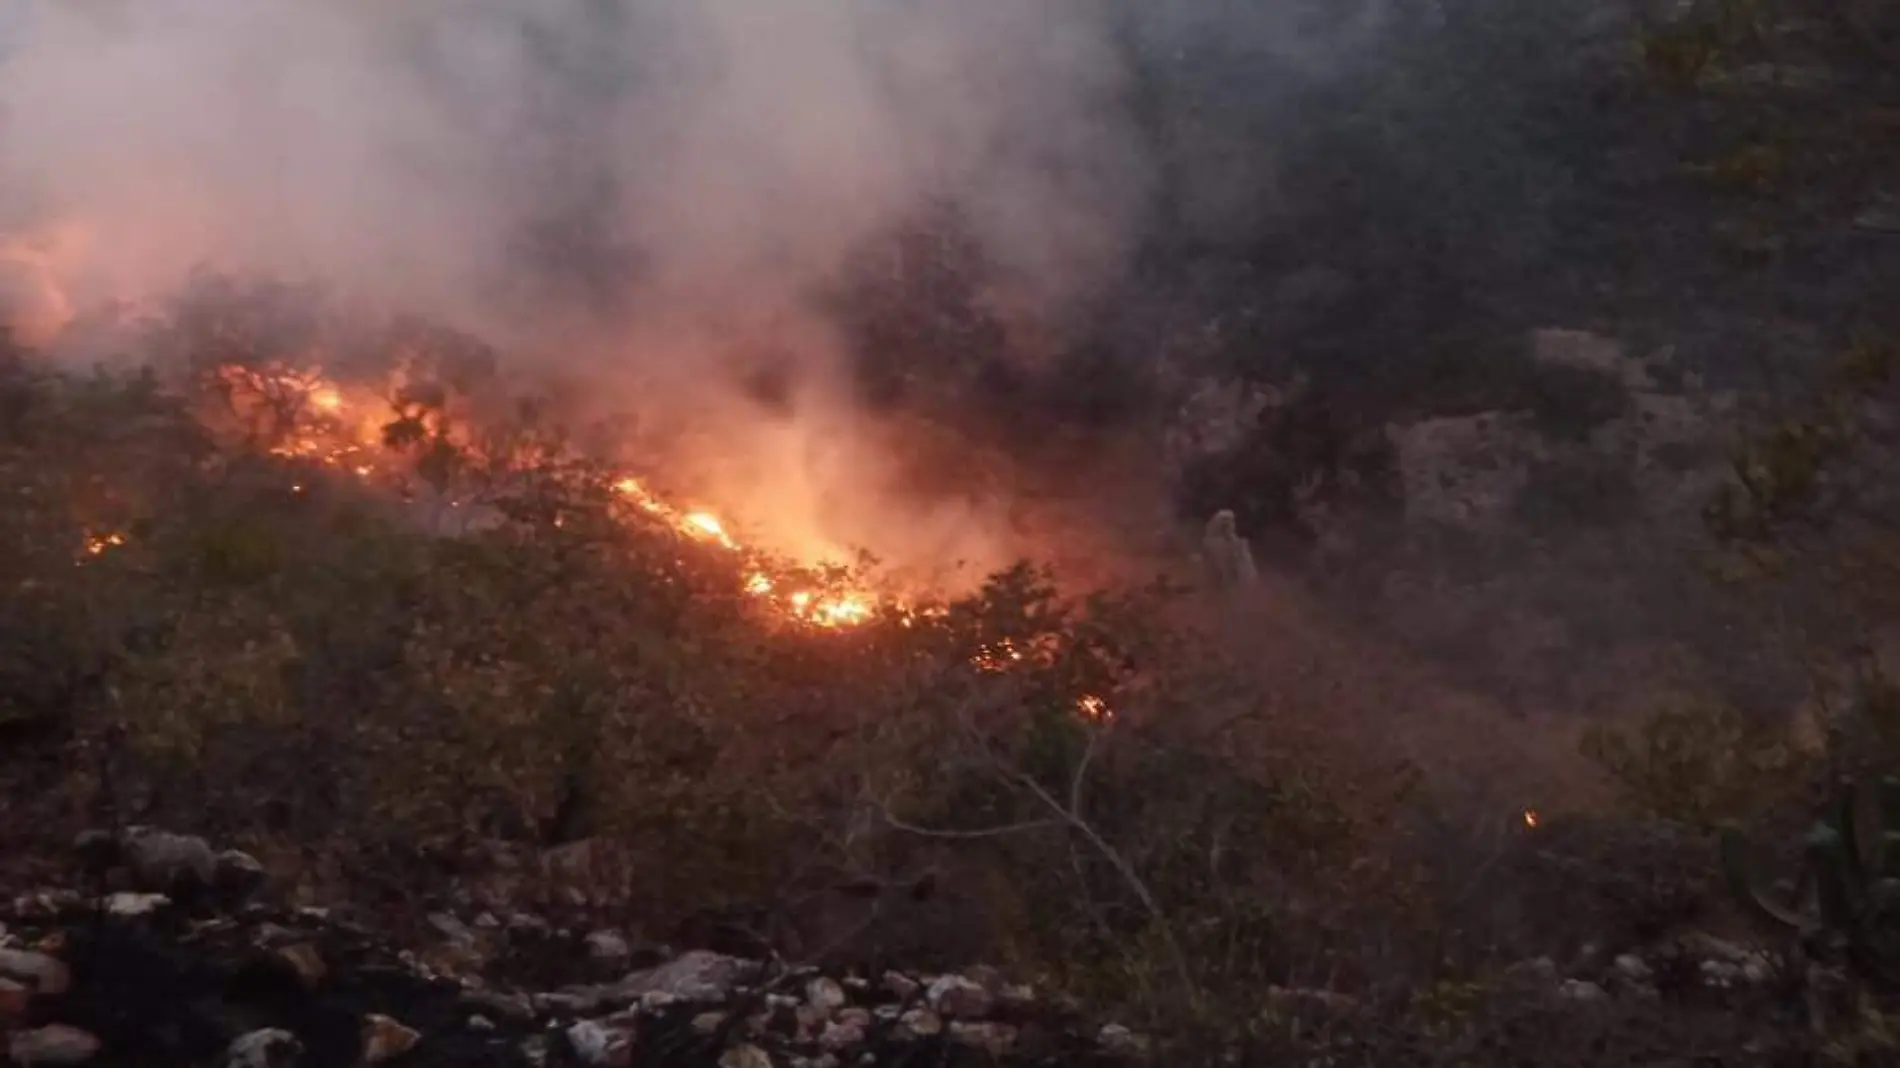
(758, 585)
(1531, 818)
(98, 545)
(1094, 708)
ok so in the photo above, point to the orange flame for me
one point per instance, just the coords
(346, 434)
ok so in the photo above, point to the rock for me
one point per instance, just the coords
(53, 1044)
(1708, 947)
(901, 985)
(480, 1023)
(13, 1001)
(919, 1023)
(269, 1047)
(304, 960)
(1018, 996)
(453, 930)
(707, 1023)
(577, 1001)
(746, 1056)
(697, 976)
(516, 1007)
(1119, 1041)
(1720, 974)
(995, 1039)
(959, 998)
(608, 946)
(656, 1000)
(1539, 972)
(44, 974)
(129, 904)
(1633, 968)
(384, 1039)
(238, 876)
(601, 1045)
(534, 1050)
(163, 862)
(825, 994)
(841, 1035)
(1580, 990)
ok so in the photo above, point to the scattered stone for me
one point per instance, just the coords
(707, 1023)
(609, 947)
(1709, 947)
(825, 994)
(1118, 1041)
(129, 904)
(656, 1000)
(304, 960)
(1633, 968)
(1720, 974)
(841, 1035)
(919, 1023)
(573, 1002)
(480, 1023)
(46, 975)
(995, 1039)
(1539, 972)
(697, 976)
(515, 1007)
(270, 1047)
(385, 1039)
(746, 1056)
(903, 986)
(1580, 990)
(455, 931)
(601, 1045)
(163, 862)
(53, 1044)
(237, 875)
(534, 1050)
(959, 998)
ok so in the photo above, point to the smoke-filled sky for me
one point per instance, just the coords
(736, 149)
(648, 182)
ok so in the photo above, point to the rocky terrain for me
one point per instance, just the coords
(172, 955)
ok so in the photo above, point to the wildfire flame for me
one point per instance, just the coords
(346, 434)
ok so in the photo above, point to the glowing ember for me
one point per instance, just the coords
(100, 544)
(1531, 818)
(1094, 708)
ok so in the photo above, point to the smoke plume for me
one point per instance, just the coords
(645, 190)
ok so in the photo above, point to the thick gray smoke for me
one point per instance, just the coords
(643, 185)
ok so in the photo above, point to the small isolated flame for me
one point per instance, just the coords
(1531, 818)
(100, 544)
(1094, 708)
